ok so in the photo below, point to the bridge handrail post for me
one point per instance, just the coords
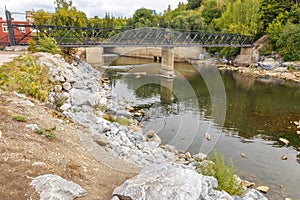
(10, 28)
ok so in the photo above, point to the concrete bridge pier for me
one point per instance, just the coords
(167, 65)
(94, 55)
(248, 57)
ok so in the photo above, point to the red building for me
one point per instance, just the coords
(22, 34)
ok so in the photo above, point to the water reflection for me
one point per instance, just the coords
(166, 90)
(259, 112)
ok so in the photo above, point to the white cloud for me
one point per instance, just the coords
(90, 7)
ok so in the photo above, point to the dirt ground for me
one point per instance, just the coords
(25, 154)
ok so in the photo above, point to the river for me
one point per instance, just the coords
(248, 120)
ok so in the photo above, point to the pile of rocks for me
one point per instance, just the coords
(175, 181)
(82, 95)
(270, 68)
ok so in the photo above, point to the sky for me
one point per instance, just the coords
(125, 8)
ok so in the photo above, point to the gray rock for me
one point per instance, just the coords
(79, 85)
(101, 140)
(280, 69)
(150, 134)
(87, 108)
(209, 190)
(200, 157)
(51, 186)
(57, 88)
(83, 97)
(65, 107)
(164, 181)
(137, 136)
(33, 127)
(82, 118)
(169, 148)
(253, 194)
(23, 96)
(67, 86)
(115, 198)
(27, 103)
(124, 113)
(62, 79)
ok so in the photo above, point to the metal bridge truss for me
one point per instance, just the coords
(156, 37)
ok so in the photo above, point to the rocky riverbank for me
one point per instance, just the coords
(83, 96)
(289, 71)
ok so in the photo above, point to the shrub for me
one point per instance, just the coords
(32, 46)
(225, 174)
(24, 75)
(48, 44)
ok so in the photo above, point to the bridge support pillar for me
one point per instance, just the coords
(248, 56)
(167, 65)
(94, 55)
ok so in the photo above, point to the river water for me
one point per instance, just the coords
(241, 114)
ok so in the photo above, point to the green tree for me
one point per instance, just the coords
(210, 11)
(193, 4)
(67, 15)
(42, 17)
(272, 8)
(240, 17)
(274, 29)
(294, 14)
(189, 20)
(288, 42)
(142, 17)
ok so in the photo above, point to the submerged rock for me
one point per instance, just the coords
(262, 188)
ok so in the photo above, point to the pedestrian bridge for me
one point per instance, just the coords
(152, 37)
(95, 39)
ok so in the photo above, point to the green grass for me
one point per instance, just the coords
(223, 172)
(19, 118)
(48, 132)
(121, 120)
(50, 135)
(24, 75)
